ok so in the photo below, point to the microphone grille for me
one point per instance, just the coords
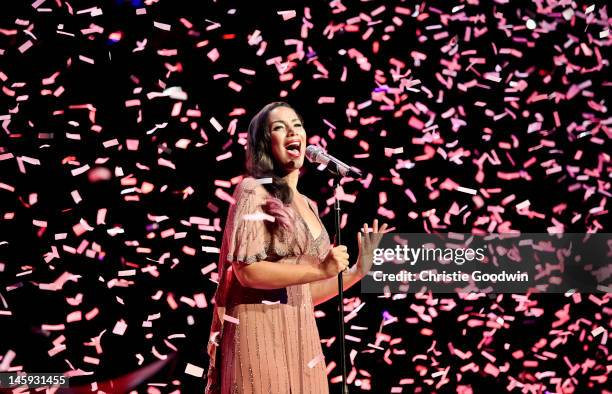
(312, 152)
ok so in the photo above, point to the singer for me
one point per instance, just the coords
(276, 263)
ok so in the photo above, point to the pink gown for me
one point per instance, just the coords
(265, 341)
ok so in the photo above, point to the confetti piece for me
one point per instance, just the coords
(80, 170)
(523, 204)
(466, 190)
(86, 59)
(162, 26)
(120, 328)
(312, 363)
(213, 55)
(25, 46)
(287, 14)
(175, 92)
(216, 124)
(231, 319)
(259, 216)
(194, 370)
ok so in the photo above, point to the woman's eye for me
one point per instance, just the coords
(297, 125)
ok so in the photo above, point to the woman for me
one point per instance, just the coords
(275, 264)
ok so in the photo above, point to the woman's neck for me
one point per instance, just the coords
(292, 179)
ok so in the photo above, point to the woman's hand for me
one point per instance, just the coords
(336, 261)
(368, 240)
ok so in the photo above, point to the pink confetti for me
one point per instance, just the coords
(194, 370)
(231, 319)
(162, 26)
(120, 328)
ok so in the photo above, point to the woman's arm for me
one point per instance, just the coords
(272, 275)
(367, 242)
(326, 289)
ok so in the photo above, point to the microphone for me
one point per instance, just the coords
(316, 154)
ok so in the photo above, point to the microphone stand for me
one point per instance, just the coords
(336, 184)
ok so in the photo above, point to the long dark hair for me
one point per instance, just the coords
(259, 160)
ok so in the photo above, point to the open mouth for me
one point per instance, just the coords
(293, 148)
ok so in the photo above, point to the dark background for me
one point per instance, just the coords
(39, 124)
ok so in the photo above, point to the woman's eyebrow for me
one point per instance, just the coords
(283, 121)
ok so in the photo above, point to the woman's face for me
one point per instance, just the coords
(288, 138)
